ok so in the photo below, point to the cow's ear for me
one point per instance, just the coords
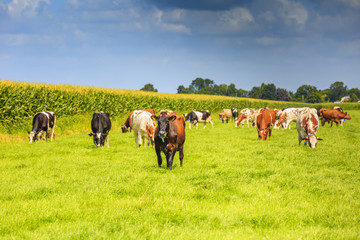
(319, 138)
(172, 118)
(91, 134)
(153, 117)
(28, 132)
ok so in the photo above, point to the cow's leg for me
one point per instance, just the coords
(189, 124)
(197, 125)
(204, 124)
(158, 154)
(107, 140)
(181, 155)
(289, 124)
(269, 134)
(212, 125)
(136, 135)
(170, 158)
(331, 123)
(322, 122)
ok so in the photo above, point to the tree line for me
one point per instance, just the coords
(304, 93)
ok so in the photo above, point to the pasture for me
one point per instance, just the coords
(231, 186)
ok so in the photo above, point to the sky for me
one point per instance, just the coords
(126, 44)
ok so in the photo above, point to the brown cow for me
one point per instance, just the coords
(265, 121)
(128, 125)
(169, 137)
(225, 115)
(332, 115)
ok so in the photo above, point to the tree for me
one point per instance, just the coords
(354, 98)
(282, 94)
(355, 91)
(314, 97)
(304, 90)
(149, 87)
(268, 91)
(337, 90)
(255, 92)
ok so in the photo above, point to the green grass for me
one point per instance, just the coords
(231, 186)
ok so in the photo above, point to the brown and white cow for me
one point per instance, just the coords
(332, 115)
(246, 114)
(43, 126)
(287, 116)
(225, 115)
(170, 137)
(307, 124)
(127, 126)
(265, 121)
(144, 127)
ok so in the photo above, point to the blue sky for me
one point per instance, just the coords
(128, 43)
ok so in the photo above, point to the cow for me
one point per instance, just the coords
(225, 115)
(265, 121)
(144, 127)
(43, 126)
(170, 137)
(196, 116)
(235, 114)
(127, 126)
(340, 109)
(307, 124)
(100, 126)
(287, 116)
(246, 114)
(333, 115)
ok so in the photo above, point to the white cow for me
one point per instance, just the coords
(246, 114)
(287, 116)
(307, 124)
(143, 126)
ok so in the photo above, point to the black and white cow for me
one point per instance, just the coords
(43, 123)
(100, 126)
(235, 115)
(198, 116)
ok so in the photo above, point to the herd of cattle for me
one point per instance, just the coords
(168, 135)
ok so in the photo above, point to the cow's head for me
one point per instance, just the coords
(32, 136)
(163, 124)
(262, 133)
(347, 116)
(312, 139)
(281, 120)
(240, 119)
(124, 129)
(99, 138)
(221, 116)
(186, 116)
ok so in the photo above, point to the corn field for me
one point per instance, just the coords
(20, 101)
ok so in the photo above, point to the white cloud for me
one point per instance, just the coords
(236, 18)
(172, 27)
(352, 3)
(22, 39)
(292, 11)
(29, 8)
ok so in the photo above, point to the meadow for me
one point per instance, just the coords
(231, 186)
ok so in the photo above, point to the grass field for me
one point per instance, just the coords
(232, 186)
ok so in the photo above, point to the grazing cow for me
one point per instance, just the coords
(246, 114)
(43, 126)
(340, 109)
(235, 115)
(287, 116)
(225, 115)
(143, 127)
(100, 126)
(265, 121)
(127, 126)
(307, 124)
(169, 137)
(198, 116)
(332, 115)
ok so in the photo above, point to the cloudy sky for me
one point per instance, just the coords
(128, 43)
